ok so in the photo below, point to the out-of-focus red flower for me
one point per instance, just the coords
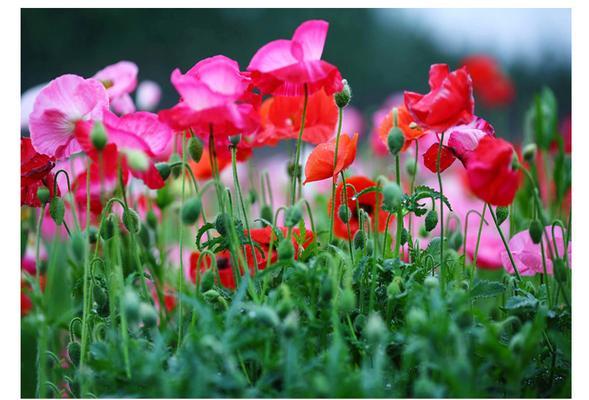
(281, 119)
(404, 121)
(369, 202)
(284, 67)
(565, 130)
(448, 103)
(490, 173)
(35, 171)
(490, 83)
(320, 166)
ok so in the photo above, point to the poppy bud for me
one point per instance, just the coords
(392, 197)
(411, 167)
(131, 304)
(195, 148)
(292, 170)
(99, 296)
(98, 136)
(290, 324)
(423, 232)
(395, 140)
(404, 237)
(560, 272)
(501, 213)
(253, 196)
(234, 140)
(431, 220)
(359, 322)
(375, 329)
(369, 247)
(163, 197)
(151, 219)
(515, 161)
(207, 280)
(131, 220)
(285, 250)
(191, 210)
(211, 295)
(267, 213)
(43, 194)
(148, 315)
(222, 223)
(144, 235)
(344, 213)
(347, 301)
(529, 152)
(74, 352)
(137, 160)
(343, 98)
(175, 158)
(455, 240)
(293, 216)
(535, 231)
(107, 230)
(57, 210)
(359, 240)
(164, 169)
(394, 288)
(92, 234)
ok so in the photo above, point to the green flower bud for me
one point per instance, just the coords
(211, 295)
(395, 140)
(369, 247)
(137, 160)
(286, 250)
(535, 231)
(131, 304)
(529, 152)
(560, 272)
(375, 329)
(501, 213)
(326, 289)
(223, 223)
(411, 167)
(423, 232)
(177, 169)
(267, 213)
(195, 148)
(191, 210)
(252, 196)
(43, 194)
(151, 219)
(293, 216)
(431, 220)
(392, 197)
(98, 136)
(344, 213)
(343, 98)
(291, 170)
(148, 315)
(131, 220)
(74, 352)
(163, 197)
(57, 210)
(207, 280)
(78, 247)
(455, 240)
(144, 235)
(99, 295)
(431, 282)
(107, 230)
(290, 325)
(164, 169)
(92, 234)
(359, 240)
(234, 140)
(394, 288)
(347, 301)
(404, 237)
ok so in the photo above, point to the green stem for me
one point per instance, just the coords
(181, 243)
(298, 150)
(399, 214)
(476, 249)
(519, 278)
(439, 174)
(334, 181)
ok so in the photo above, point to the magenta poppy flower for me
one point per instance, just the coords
(119, 79)
(528, 256)
(63, 102)
(214, 95)
(284, 67)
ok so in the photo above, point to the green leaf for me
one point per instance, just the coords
(486, 288)
(517, 303)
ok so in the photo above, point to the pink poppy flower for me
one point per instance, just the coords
(214, 94)
(528, 256)
(284, 67)
(148, 95)
(63, 102)
(118, 79)
(122, 105)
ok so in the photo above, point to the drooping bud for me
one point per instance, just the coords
(137, 160)
(344, 213)
(560, 272)
(74, 351)
(252, 196)
(107, 229)
(529, 152)
(267, 213)
(347, 301)
(195, 148)
(394, 288)
(395, 140)
(98, 136)
(57, 210)
(392, 197)
(191, 210)
(177, 169)
(535, 231)
(431, 282)
(286, 250)
(293, 216)
(431, 220)
(515, 165)
(222, 223)
(343, 98)
(131, 220)
(455, 240)
(92, 234)
(501, 213)
(43, 194)
(164, 169)
(207, 280)
(359, 240)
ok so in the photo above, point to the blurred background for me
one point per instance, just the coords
(379, 51)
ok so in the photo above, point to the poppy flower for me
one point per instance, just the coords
(490, 83)
(379, 147)
(215, 95)
(320, 166)
(119, 79)
(369, 202)
(490, 173)
(404, 121)
(281, 119)
(448, 103)
(148, 95)
(35, 171)
(528, 256)
(63, 102)
(285, 67)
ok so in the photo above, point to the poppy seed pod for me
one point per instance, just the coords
(343, 98)
(222, 223)
(293, 216)
(431, 220)
(392, 197)
(43, 194)
(535, 231)
(98, 136)
(395, 140)
(164, 169)
(359, 240)
(191, 210)
(195, 148)
(501, 213)
(234, 140)
(131, 220)
(267, 213)
(207, 280)
(286, 250)
(344, 213)
(57, 210)
(107, 229)
(529, 152)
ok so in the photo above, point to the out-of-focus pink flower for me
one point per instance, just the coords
(352, 120)
(214, 95)
(284, 67)
(528, 256)
(148, 95)
(122, 105)
(63, 102)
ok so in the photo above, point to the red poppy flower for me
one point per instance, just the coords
(281, 119)
(404, 121)
(490, 175)
(320, 166)
(285, 67)
(448, 103)
(369, 202)
(35, 171)
(491, 85)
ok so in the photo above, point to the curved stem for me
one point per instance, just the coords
(519, 278)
